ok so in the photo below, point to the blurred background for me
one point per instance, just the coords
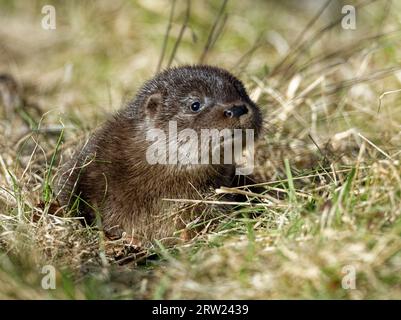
(101, 52)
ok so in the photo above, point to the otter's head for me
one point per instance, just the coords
(198, 97)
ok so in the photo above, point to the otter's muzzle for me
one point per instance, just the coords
(236, 111)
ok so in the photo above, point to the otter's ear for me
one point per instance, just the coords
(153, 104)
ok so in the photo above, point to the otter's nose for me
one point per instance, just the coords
(236, 111)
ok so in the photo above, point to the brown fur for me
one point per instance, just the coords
(112, 176)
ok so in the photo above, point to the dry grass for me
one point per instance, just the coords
(331, 149)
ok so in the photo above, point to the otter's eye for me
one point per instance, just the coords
(195, 106)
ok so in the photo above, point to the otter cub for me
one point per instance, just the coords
(111, 176)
